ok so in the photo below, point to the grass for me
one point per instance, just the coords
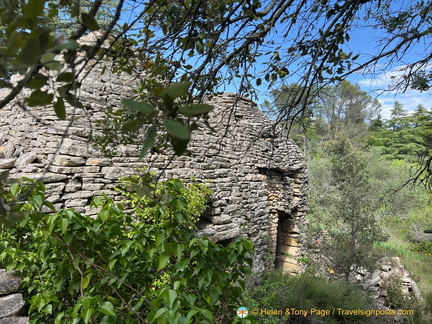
(281, 292)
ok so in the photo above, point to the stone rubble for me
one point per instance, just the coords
(390, 272)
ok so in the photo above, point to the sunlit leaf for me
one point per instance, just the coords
(163, 261)
(107, 308)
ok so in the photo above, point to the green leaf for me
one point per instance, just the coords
(199, 46)
(85, 282)
(47, 57)
(70, 44)
(177, 129)
(30, 52)
(89, 21)
(149, 141)
(159, 313)
(34, 8)
(178, 250)
(65, 77)
(59, 108)
(63, 224)
(179, 145)
(14, 42)
(195, 110)
(170, 297)
(53, 64)
(37, 200)
(177, 90)
(133, 125)
(214, 296)
(142, 107)
(182, 264)
(86, 314)
(107, 308)
(159, 239)
(14, 188)
(192, 313)
(103, 215)
(163, 261)
(37, 82)
(40, 98)
(108, 320)
(72, 100)
(207, 314)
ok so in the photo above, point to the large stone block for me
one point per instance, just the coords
(7, 163)
(74, 147)
(11, 305)
(26, 158)
(9, 282)
(68, 160)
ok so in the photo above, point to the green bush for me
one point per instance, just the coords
(139, 193)
(423, 247)
(115, 268)
(282, 292)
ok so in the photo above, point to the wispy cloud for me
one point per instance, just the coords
(382, 86)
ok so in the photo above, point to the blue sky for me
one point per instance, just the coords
(363, 42)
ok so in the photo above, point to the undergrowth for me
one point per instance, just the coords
(295, 295)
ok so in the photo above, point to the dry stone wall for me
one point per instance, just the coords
(258, 175)
(11, 301)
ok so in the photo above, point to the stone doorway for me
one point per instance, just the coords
(283, 230)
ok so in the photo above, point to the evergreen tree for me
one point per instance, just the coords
(350, 226)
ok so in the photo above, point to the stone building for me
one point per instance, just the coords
(258, 175)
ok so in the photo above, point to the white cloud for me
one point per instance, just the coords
(384, 80)
(380, 86)
(410, 100)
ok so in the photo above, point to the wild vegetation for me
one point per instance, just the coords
(363, 194)
(189, 50)
(119, 268)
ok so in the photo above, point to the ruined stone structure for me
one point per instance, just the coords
(258, 175)
(390, 273)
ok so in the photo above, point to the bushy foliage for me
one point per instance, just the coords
(139, 192)
(115, 268)
(424, 247)
(344, 207)
(281, 291)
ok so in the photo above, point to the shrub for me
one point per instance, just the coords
(117, 269)
(282, 292)
(423, 247)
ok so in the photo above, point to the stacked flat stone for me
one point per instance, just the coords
(258, 175)
(11, 301)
